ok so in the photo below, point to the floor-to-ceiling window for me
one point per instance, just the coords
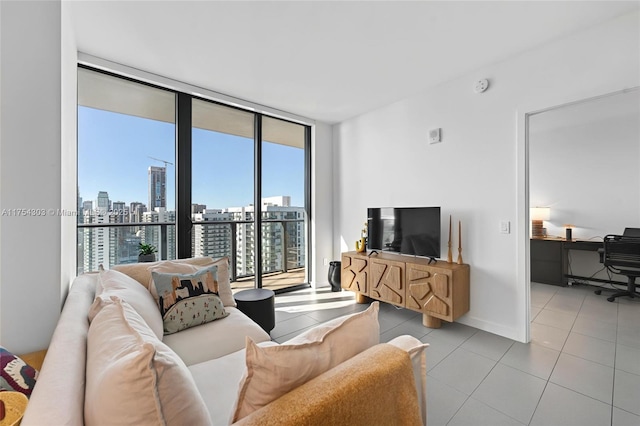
(126, 156)
(229, 164)
(284, 225)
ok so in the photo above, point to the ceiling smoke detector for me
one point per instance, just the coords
(481, 85)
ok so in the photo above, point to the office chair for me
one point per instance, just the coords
(622, 256)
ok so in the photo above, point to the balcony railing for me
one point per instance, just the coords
(116, 243)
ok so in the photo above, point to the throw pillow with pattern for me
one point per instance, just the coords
(15, 374)
(187, 300)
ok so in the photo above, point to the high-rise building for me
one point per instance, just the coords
(154, 234)
(279, 248)
(209, 239)
(102, 202)
(96, 241)
(157, 187)
(118, 209)
(198, 208)
(87, 206)
(135, 211)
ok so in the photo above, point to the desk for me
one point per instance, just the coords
(550, 259)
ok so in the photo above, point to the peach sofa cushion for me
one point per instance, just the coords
(114, 283)
(134, 378)
(273, 371)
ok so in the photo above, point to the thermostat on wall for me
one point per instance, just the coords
(434, 135)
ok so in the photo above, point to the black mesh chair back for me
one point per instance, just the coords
(622, 256)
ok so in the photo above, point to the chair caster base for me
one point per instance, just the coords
(611, 299)
(598, 292)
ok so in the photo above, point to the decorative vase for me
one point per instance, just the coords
(147, 257)
(335, 269)
(361, 245)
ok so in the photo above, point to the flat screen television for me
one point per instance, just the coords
(405, 230)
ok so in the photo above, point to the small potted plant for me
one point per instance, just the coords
(147, 253)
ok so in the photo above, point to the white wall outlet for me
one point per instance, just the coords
(435, 135)
(325, 261)
(505, 227)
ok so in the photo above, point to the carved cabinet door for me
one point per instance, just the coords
(387, 281)
(429, 291)
(354, 274)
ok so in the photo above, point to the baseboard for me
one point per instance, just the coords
(493, 327)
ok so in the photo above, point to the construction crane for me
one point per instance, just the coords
(162, 161)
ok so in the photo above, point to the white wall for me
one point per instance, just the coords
(321, 203)
(69, 181)
(30, 172)
(385, 159)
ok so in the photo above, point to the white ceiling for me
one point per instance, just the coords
(326, 60)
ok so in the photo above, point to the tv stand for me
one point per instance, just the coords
(435, 288)
(432, 260)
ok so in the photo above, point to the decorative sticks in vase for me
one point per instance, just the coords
(449, 254)
(459, 243)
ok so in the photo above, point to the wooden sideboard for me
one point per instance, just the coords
(439, 291)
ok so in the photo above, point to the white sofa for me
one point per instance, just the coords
(214, 354)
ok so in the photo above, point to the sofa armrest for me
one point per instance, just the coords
(354, 393)
(58, 396)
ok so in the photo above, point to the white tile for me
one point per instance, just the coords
(629, 334)
(550, 337)
(463, 370)
(534, 312)
(596, 350)
(511, 392)
(412, 328)
(624, 418)
(598, 308)
(587, 377)
(531, 358)
(563, 407)
(443, 402)
(475, 413)
(453, 332)
(488, 344)
(594, 327)
(628, 359)
(556, 319)
(629, 313)
(563, 302)
(541, 294)
(292, 325)
(438, 350)
(323, 315)
(626, 394)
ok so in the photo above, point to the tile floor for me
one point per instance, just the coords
(582, 366)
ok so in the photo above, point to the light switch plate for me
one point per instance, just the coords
(505, 227)
(435, 135)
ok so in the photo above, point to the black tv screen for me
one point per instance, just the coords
(405, 230)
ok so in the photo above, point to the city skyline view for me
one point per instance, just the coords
(116, 150)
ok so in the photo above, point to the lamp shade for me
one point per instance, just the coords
(540, 213)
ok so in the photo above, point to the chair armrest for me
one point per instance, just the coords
(350, 394)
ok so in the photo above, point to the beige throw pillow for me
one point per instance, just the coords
(141, 272)
(416, 350)
(114, 283)
(181, 267)
(134, 378)
(275, 370)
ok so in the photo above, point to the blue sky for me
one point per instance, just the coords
(114, 151)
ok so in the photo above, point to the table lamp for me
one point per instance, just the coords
(538, 215)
